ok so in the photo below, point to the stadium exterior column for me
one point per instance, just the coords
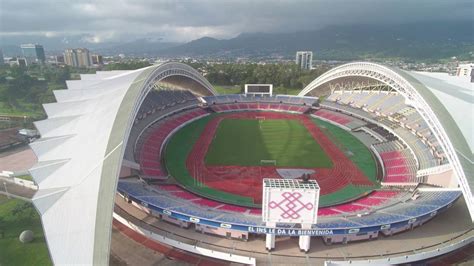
(305, 241)
(270, 238)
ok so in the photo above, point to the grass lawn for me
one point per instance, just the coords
(227, 89)
(12, 251)
(26, 111)
(246, 142)
(25, 177)
(286, 91)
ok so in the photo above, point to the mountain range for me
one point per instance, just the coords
(427, 40)
(416, 40)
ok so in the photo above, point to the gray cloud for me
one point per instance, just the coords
(118, 20)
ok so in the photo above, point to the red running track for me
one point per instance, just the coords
(247, 180)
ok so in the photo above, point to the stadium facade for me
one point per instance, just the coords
(83, 142)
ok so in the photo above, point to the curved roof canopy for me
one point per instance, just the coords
(80, 153)
(425, 93)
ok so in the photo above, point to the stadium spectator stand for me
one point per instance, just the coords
(157, 105)
(152, 139)
(390, 110)
(339, 118)
(377, 209)
(361, 112)
(235, 102)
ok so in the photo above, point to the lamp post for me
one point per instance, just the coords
(6, 190)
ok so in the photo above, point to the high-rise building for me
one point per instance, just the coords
(33, 53)
(304, 59)
(84, 57)
(79, 57)
(1, 58)
(466, 71)
(59, 59)
(70, 57)
(97, 59)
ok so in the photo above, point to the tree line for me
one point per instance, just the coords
(24, 90)
(287, 75)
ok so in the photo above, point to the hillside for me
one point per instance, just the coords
(434, 40)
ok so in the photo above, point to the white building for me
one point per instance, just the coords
(304, 59)
(21, 62)
(33, 53)
(465, 71)
(79, 57)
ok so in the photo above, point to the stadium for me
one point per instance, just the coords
(157, 154)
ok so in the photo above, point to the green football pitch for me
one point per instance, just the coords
(246, 142)
(181, 144)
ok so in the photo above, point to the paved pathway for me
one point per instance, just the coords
(18, 159)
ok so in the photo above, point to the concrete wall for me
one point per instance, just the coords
(446, 179)
(222, 232)
(187, 247)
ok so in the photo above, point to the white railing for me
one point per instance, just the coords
(404, 259)
(434, 170)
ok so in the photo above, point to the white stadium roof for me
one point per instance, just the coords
(80, 153)
(457, 96)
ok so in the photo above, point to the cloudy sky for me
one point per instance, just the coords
(178, 21)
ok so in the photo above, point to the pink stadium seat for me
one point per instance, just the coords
(255, 211)
(150, 152)
(326, 212)
(233, 208)
(185, 195)
(397, 167)
(350, 208)
(207, 203)
(338, 118)
(370, 201)
(169, 188)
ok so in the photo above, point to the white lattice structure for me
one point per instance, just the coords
(80, 154)
(431, 109)
(290, 201)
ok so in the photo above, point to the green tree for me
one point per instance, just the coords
(2, 227)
